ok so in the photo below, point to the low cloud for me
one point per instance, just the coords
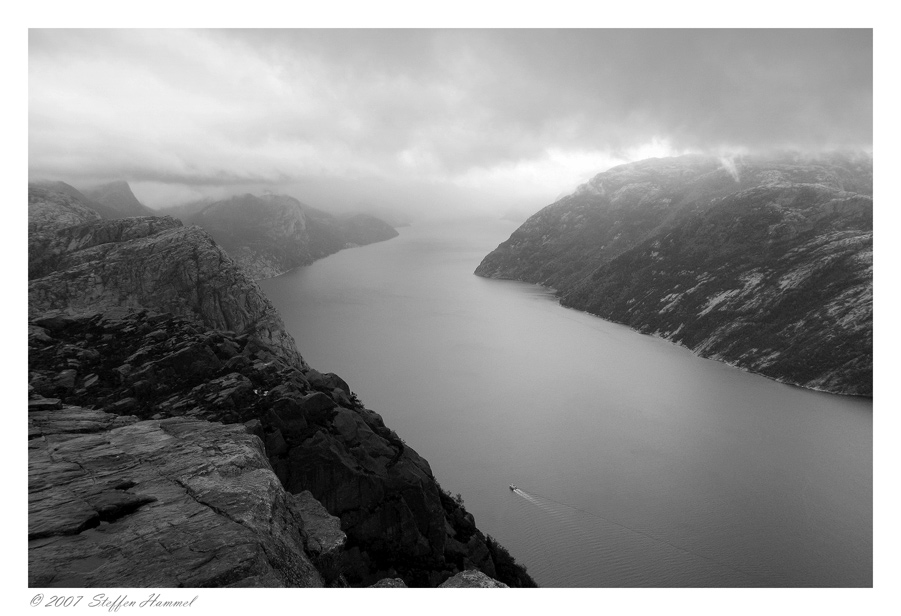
(499, 116)
(728, 163)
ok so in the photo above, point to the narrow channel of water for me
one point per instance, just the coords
(638, 463)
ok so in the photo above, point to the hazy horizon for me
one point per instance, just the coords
(427, 121)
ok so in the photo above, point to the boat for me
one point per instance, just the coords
(513, 487)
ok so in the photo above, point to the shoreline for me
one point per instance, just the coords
(556, 295)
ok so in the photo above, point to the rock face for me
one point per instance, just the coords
(115, 200)
(763, 263)
(271, 234)
(114, 501)
(320, 441)
(321, 531)
(142, 329)
(151, 263)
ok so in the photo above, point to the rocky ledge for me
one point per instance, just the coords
(316, 435)
(152, 355)
(114, 501)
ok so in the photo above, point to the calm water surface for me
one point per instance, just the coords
(639, 464)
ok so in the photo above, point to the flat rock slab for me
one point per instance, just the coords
(115, 502)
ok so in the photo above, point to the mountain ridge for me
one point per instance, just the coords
(118, 200)
(271, 234)
(763, 263)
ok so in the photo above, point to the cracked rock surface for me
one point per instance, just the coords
(114, 501)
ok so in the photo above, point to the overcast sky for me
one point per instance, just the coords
(427, 119)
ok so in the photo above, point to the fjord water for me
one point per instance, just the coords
(638, 463)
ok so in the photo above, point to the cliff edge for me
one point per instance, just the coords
(147, 341)
(763, 263)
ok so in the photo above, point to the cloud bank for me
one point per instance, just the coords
(427, 119)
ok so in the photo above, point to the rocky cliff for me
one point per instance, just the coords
(271, 234)
(107, 201)
(151, 263)
(56, 205)
(765, 263)
(115, 200)
(164, 396)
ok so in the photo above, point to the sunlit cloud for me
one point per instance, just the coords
(655, 148)
(511, 116)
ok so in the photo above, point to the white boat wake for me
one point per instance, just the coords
(562, 512)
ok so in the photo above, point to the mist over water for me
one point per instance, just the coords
(638, 463)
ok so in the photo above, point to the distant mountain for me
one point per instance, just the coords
(395, 217)
(183, 211)
(56, 205)
(271, 234)
(107, 201)
(115, 200)
(764, 263)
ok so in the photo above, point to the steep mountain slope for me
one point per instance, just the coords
(271, 234)
(151, 263)
(56, 205)
(763, 263)
(145, 337)
(115, 200)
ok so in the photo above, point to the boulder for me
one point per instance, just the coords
(326, 381)
(275, 443)
(316, 407)
(66, 379)
(255, 427)
(321, 531)
(389, 583)
(472, 578)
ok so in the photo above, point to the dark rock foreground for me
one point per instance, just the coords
(171, 503)
(170, 411)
